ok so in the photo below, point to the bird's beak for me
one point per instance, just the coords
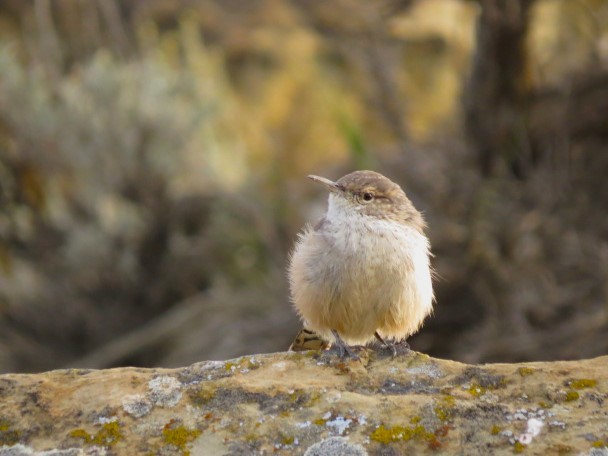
(329, 185)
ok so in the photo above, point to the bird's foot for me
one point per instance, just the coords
(396, 348)
(345, 350)
(402, 347)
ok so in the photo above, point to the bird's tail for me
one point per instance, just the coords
(308, 340)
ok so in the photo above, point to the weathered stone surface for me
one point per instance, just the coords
(293, 403)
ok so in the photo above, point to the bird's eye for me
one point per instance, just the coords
(367, 196)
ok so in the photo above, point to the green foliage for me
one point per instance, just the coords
(114, 169)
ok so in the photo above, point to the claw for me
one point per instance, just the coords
(403, 344)
(344, 350)
(401, 347)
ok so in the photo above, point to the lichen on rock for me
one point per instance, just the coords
(311, 403)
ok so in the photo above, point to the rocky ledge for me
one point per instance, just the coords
(310, 403)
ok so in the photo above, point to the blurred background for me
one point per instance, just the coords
(153, 156)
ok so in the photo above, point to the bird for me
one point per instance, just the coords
(363, 272)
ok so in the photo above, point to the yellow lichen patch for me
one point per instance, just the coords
(8, 436)
(443, 409)
(448, 400)
(287, 440)
(304, 400)
(319, 421)
(247, 363)
(525, 371)
(203, 394)
(599, 444)
(571, 396)
(476, 390)
(545, 404)
(560, 448)
(295, 396)
(415, 419)
(81, 434)
(583, 383)
(244, 364)
(442, 413)
(387, 435)
(518, 447)
(179, 436)
(108, 435)
(251, 437)
(495, 429)
(303, 355)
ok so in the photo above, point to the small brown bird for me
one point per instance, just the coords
(363, 271)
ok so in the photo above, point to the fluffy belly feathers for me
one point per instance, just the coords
(359, 282)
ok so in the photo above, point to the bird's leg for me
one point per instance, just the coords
(343, 348)
(390, 346)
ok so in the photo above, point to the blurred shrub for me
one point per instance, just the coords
(152, 160)
(112, 174)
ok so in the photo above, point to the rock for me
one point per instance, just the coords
(310, 403)
(335, 446)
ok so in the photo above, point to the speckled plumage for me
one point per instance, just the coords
(365, 266)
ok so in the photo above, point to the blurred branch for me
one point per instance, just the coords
(359, 33)
(498, 88)
(111, 14)
(48, 40)
(148, 337)
(573, 336)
